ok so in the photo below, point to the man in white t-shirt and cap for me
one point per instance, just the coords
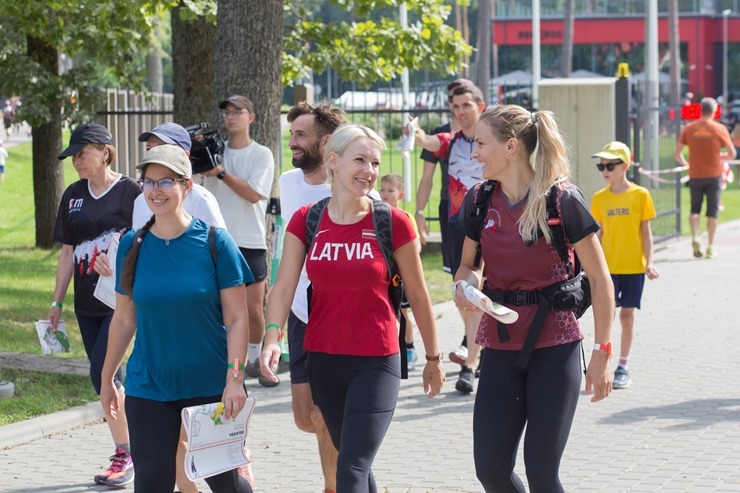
(242, 185)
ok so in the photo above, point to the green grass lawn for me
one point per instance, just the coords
(39, 393)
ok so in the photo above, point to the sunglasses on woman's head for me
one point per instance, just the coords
(608, 166)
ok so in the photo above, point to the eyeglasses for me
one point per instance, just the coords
(608, 166)
(227, 114)
(165, 184)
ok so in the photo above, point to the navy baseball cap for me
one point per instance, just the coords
(169, 133)
(88, 133)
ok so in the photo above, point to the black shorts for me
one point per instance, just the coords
(452, 247)
(711, 187)
(296, 334)
(257, 262)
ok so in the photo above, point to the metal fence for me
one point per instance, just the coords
(128, 114)
(659, 176)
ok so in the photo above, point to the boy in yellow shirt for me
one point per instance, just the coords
(624, 211)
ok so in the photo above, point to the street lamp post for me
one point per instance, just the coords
(725, 14)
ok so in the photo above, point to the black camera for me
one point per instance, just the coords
(207, 147)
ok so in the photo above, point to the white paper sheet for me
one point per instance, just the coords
(215, 444)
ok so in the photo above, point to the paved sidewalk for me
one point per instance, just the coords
(676, 429)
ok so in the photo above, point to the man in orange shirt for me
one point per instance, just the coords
(705, 139)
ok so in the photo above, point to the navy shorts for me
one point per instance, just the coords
(628, 289)
(257, 262)
(296, 334)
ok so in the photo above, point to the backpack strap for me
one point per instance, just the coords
(383, 226)
(213, 250)
(313, 218)
(557, 230)
(212, 244)
(480, 206)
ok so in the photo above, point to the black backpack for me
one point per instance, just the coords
(572, 294)
(382, 224)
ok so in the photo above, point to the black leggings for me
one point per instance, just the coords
(357, 396)
(544, 397)
(154, 430)
(94, 332)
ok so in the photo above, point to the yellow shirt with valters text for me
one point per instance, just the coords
(621, 216)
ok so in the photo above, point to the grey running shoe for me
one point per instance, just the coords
(622, 378)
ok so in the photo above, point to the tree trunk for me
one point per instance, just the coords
(192, 69)
(674, 43)
(48, 171)
(566, 57)
(154, 78)
(483, 55)
(249, 62)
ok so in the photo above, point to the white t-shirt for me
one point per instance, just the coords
(3, 155)
(294, 194)
(199, 203)
(245, 220)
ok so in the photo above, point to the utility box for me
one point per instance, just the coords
(585, 110)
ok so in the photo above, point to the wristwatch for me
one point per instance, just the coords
(604, 347)
(221, 175)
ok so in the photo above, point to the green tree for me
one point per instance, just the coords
(365, 50)
(107, 36)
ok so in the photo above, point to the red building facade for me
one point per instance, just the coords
(701, 39)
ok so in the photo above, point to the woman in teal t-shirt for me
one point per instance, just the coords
(188, 311)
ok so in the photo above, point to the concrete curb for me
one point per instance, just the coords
(43, 426)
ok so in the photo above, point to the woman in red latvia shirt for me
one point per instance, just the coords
(352, 338)
(515, 244)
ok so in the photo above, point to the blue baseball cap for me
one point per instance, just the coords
(169, 133)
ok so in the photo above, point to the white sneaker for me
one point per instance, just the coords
(459, 356)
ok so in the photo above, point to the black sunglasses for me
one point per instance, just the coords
(608, 166)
